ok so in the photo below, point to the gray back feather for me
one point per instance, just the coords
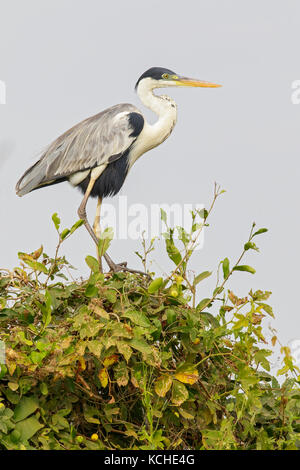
(86, 145)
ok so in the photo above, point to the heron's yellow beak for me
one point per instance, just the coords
(184, 81)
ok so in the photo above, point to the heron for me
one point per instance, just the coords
(96, 154)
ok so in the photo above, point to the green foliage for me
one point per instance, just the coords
(120, 362)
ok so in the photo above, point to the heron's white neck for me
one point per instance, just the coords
(164, 107)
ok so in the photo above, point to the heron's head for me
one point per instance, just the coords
(159, 77)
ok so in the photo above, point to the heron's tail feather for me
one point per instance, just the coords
(30, 180)
(36, 177)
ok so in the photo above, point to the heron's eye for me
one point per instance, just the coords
(165, 75)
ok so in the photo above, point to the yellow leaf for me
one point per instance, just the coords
(228, 343)
(37, 253)
(65, 343)
(187, 377)
(274, 339)
(11, 367)
(179, 393)
(186, 414)
(108, 361)
(282, 371)
(131, 433)
(128, 328)
(163, 385)
(103, 377)
(286, 351)
(256, 319)
(124, 349)
(98, 310)
(13, 386)
(207, 416)
(82, 365)
(80, 347)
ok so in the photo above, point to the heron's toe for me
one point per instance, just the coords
(115, 268)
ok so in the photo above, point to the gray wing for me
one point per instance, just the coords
(96, 141)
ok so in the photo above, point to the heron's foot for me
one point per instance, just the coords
(123, 264)
(115, 268)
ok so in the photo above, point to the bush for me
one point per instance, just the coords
(119, 361)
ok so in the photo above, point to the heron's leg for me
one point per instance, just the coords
(97, 232)
(82, 210)
(96, 225)
(97, 229)
(82, 214)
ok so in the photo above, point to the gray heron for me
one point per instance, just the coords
(97, 154)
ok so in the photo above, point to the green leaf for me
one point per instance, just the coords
(105, 239)
(89, 413)
(92, 263)
(250, 246)
(13, 386)
(261, 230)
(56, 220)
(44, 388)
(163, 216)
(261, 358)
(155, 285)
(138, 318)
(203, 213)
(173, 252)
(179, 393)
(22, 338)
(25, 407)
(36, 266)
(203, 304)
(110, 295)
(140, 345)
(64, 233)
(211, 319)
(267, 308)
(77, 224)
(28, 427)
(124, 349)
(186, 414)
(163, 385)
(246, 268)
(242, 323)
(157, 323)
(37, 357)
(226, 269)
(95, 346)
(46, 309)
(201, 276)
(121, 374)
(171, 316)
(91, 291)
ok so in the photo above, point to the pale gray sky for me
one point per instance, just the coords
(64, 60)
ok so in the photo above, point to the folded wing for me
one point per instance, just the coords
(97, 141)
